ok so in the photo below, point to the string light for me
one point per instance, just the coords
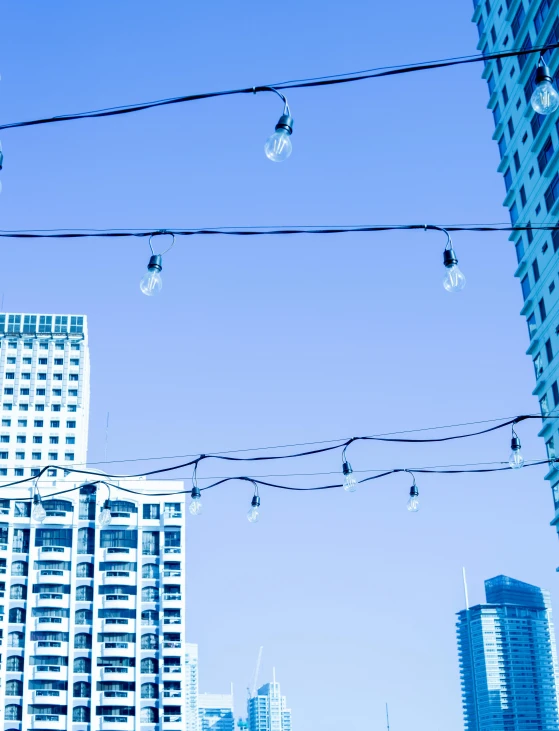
(195, 507)
(350, 483)
(278, 146)
(253, 514)
(545, 98)
(516, 460)
(413, 501)
(105, 516)
(454, 281)
(151, 283)
(38, 512)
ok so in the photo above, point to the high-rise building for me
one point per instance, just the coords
(267, 710)
(528, 146)
(216, 712)
(508, 661)
(44, 393)
(92, 619)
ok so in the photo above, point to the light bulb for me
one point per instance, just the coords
(278, 146)
(516, 460)
(195, 507)
(38, 513)
(350, 483)
(413, 501)
(545, 98)
(151, 283)
(454, 280)
(253, 514)
(105, 516)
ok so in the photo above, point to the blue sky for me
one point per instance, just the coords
(272, 341)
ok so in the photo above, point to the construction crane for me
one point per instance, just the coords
(252, 690)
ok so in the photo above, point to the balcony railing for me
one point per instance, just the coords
(113, 645)
(44, 643)
(45, 693)
(171, 668)
(172, 620)
(173, 549)
(174, 572)
(2, 570)
(172, 719)
(171, 644)
(118, 573)
(172, 597)
(51, 596)
(42, 717)
(51, 572)
(54, 620)
(111, 669)
(115, 719)
(48, 668)
(172, 694)
(118, 549)
(117, 597)
(51, 549)
(172, 514)
(115, 694)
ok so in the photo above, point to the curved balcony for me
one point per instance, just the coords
(122, 578)
(116, 698)
(122, 723)
(58, 517)
(175, 622)
(117, 673)
(56, 553)
(119, 519)
(50, 672)
(44, 576)
(118, 649)
(119, 601)
(47, 647)
(47, 721)
(172, 669)
(52, 599)
(173, 518)
(120, 554)
(118, 625)
(60, 697)
(56, 624)
(172, 722)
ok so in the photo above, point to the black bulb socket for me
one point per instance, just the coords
(515, 444)
(106, 505)
(195, 494)
(285, 122)
(36, 499)
(414, 492)
(449, 258)
(346, 468)
(155, 262)
(543, 74)
(255, 502)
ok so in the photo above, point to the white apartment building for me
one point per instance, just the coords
(267, 710)
(44, 393)
(92, 621)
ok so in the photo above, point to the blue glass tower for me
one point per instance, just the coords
(529, 150)
(508, 661)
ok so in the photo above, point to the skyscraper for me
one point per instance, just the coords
(44, 393)
(267, 710)
(216, 712)
(508, 661)
(528, 144)
(92, 620)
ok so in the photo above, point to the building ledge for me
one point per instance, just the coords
(534, 345)
(527, 306)
(541, 385)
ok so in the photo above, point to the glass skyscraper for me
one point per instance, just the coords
(529, 150)
(267, 710)
(508, 661)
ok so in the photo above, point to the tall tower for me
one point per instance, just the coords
(267, 710)
(508, 662)
(216, 712)
(528, 147)
(92, 625)
(44, 393)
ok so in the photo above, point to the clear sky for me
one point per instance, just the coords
(271, 341)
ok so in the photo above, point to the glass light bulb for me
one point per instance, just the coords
(454, 280)
(350, 483)
(38, 513)
(253, 514)
(151, 283)
(516, 460)
(278, 146)
(413, 503)
(195, 507)
(105, 517)
(545, 98)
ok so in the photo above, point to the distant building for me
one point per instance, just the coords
(508, 660)
(216, 712)
(44, 393)
(267, 710)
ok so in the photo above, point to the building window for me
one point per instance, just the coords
(525, 284)
(541, 14)
(70, 440)
(54, 424)
(541, 306)
(510, 125)
(552, 193)
(496, 114)
(513, 214)
(70, 424)
(38, 423)
(508, 179)
(516, 159)
(517, 20)
(545, 155)
(150, 543)
(548, 350)
(505, 95)
(151, 511)
(536, 270)
(522, 196)
(503, 145)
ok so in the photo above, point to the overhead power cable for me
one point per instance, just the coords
(270, 231)
(284, 85)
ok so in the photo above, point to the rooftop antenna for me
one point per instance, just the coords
(465, 587)
(107, 435)
(387, 719)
